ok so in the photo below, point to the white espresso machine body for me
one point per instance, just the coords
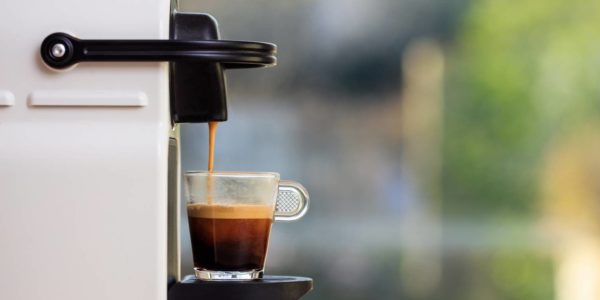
(83, 156)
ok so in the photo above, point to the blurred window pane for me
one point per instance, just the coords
(450, 147)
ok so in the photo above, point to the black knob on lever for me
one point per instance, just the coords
(60, 50)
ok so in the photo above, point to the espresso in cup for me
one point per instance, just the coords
(230, 216)
(230, 237)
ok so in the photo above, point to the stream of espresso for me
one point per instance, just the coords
(212, 131)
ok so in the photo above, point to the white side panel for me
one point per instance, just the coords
(83, 179)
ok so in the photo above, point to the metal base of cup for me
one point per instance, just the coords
(227, 275)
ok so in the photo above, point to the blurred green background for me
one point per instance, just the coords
(451, 147)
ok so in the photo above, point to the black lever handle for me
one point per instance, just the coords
(60, 50)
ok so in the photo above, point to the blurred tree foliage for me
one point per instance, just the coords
(520, 73)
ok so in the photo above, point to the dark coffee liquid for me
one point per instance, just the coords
(222, 241)
(229, 244)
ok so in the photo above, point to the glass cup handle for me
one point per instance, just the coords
(292, 201)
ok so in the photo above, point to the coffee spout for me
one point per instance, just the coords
(198, 90)
(198, 94)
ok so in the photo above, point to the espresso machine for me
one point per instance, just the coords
(91, 97)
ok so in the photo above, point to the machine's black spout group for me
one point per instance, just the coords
(197, 60)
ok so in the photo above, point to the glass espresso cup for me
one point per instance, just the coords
(230, 216)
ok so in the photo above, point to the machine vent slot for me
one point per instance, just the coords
(88, 98)
(6, 98)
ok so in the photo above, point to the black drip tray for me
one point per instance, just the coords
(268, 287)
